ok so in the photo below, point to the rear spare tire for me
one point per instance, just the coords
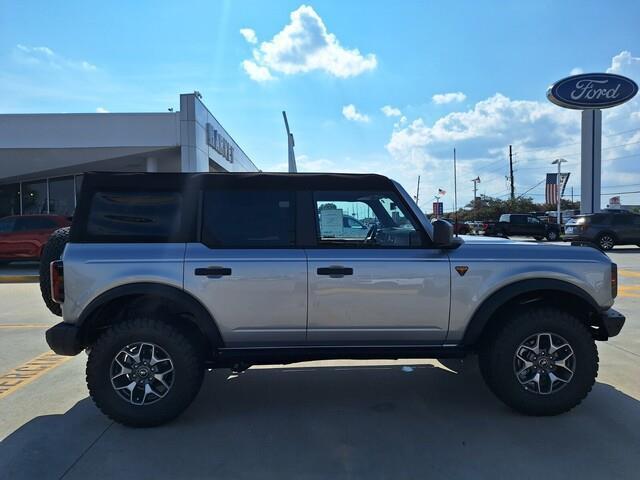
(52, 251)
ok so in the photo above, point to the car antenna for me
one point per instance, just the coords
(455, 194)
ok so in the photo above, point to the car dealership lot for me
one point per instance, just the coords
(373, 419)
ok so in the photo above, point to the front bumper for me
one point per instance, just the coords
(612, 321)
(64, 339)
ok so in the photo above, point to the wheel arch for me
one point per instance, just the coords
(554, 292)
(115, 304)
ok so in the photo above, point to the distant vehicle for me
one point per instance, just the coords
(353, 228)
(522, 224)
(605, 229)
(23, 237)
(459, 228)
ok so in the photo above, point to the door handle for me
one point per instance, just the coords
(213, 271)
(335, 271)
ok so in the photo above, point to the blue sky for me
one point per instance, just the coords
(466, 74)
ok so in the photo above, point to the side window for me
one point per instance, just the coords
(533, 220)
(248, 219)
(518, 219)
(149, 216)
(7, 224)
(504, 217)
(364, 219)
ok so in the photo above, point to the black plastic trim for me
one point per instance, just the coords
(612, 321)
(203, 319)
(484, 313)
(64, 339)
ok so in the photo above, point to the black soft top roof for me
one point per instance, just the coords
(294, 181)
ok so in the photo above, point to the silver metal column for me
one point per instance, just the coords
(591, 158)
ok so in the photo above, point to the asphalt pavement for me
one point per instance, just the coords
(334, 419)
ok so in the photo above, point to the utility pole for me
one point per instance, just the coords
(475, 181)
(418, 191)
(571, 194)
(558, 161)
(513, 193)
(291, 143)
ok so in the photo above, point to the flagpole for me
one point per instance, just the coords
(455, 193)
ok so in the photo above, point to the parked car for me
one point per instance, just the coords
(605, 229)
(158, 286)
(23, 237)
(459, 228)
(523, 225)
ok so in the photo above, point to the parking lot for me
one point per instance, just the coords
(332, 419)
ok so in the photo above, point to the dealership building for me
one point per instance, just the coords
(43, 156)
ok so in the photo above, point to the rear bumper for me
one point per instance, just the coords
(64, 339)
(612, 322)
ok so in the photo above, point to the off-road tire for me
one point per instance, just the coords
(497, 361)
(605, 241)
(552, 236)
(538, 238)
(188, 362)
(52, 251)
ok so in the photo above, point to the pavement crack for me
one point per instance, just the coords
(85, 451)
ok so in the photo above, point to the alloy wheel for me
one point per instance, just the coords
(606, 242)
(142, 373)
(544, 363)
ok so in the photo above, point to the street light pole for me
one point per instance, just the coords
(559, 162)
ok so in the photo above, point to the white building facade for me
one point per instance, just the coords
(43, 156)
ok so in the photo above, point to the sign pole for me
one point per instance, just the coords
(591, 161)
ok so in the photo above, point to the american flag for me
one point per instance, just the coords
(551, 187)
(441, 192)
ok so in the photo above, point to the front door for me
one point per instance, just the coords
(387, 288)
(246, 269)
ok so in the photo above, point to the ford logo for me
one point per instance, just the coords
(592, 90)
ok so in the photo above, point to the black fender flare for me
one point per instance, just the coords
(491, 304)
(201, 316)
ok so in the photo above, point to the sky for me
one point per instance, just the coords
(368, 86)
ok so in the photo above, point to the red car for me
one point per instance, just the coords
(23, 237)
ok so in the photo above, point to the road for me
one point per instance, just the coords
(348, 419)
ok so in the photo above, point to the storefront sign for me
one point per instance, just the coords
(219, 143)
(592, 90)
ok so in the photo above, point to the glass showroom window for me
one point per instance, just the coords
(34, 197)
(61, 196)
(9, 199)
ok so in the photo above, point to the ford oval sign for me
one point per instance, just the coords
(592, 90)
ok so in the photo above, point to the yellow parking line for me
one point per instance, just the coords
(628, 295)
(30, 371)
(25, 325)
(629, 274)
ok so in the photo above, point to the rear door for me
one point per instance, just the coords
(246, 269)
(31, 233)
(624, 228)
(389, 288)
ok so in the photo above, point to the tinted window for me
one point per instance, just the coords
(134, 216)
(599, 219)
(62, 198)
(518, 219)
(248, 219)
(9, 200)
(504, 217)
(533, 220)
(34, 223)
(34, 197)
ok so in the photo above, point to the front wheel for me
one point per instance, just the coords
(552, 236)
(605, 242)
(542, 361)
(144, 372)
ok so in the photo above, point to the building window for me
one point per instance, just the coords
(61, 196)
(34, 197)
(9, 199)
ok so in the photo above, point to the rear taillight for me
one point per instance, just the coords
(614, 280)
(57, 281)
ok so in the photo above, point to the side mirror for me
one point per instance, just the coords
(442, 233)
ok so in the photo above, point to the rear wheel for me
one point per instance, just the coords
(538, 238)
(144, 372)
(52, 251)
(541, 362)
(605, 241)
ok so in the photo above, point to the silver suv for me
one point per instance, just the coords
(167, 275)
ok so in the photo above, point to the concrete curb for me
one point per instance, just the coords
(19, 278)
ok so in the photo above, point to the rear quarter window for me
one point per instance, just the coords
(151, 216)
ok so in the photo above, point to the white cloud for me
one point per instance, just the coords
(351, 113)
(249, 35)
(624, 62)
(390, 111)
(256, 72)
(305, 45)
(576, 71)
(45, 56)
(442, 98)
(101, 110)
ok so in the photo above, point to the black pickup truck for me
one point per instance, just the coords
(522, 225)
